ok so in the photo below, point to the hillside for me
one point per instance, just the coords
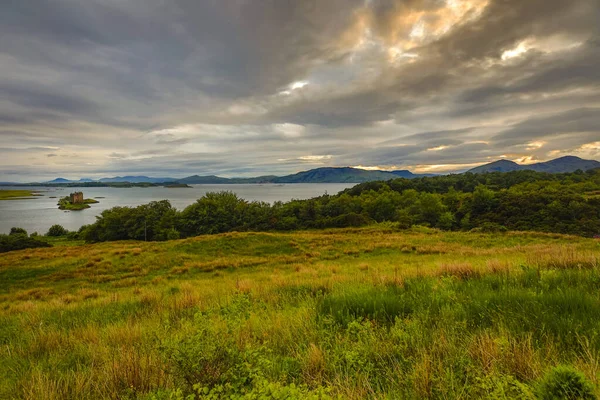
(338, 312)
(559, 165)
(404, 173)
(335, 175)
(59, 180)
(196, 179)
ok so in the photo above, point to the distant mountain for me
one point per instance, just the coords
(335, 175)
(497, 166)
(212, 179)
(559, 165)
(59, 180)
(404, 173)
(565, 164)
(199, 180)
(136, 179)
(86, 180)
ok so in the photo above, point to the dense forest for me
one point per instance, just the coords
(521, 200)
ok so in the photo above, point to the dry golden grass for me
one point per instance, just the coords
(314, 365)
(35, 294)
(461, 271)
(562, 257)
(485, 349)
(496, 266)
(423, 375)
(519, 358)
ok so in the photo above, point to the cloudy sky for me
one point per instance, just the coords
(247, 87)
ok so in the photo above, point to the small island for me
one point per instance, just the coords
(75, 202)
(177, 185)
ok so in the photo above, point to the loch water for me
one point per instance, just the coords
(40, 213)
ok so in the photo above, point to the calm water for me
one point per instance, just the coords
(39, 214)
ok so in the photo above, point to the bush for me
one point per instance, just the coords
(350, 220)
(563, 382)
(19, 242)
(171, 234)
(56, 230)
(17, 231)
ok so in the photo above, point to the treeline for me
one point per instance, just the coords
(520, 200)
(18, 239)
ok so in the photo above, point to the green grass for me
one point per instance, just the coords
(17, 194)
(352, 313)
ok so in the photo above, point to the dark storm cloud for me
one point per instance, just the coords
(251, 86)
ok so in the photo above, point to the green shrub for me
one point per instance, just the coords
(382, 305)
(17, 231)
(501, 387)
(56, 230)
(490, 227)
(563, 382)
(350, 219)
(20, 242)
(202, 358)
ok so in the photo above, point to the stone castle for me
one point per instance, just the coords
(76, 198)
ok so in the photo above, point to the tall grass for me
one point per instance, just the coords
(361, 313)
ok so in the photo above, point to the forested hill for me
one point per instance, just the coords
(495, 181)
(520, 200)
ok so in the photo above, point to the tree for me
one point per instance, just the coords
(213, 213)
(56, 231)
(17, 231)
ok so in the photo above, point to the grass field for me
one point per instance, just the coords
(356, 313)
(16, 194)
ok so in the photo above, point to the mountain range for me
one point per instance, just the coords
(558, 165)
(352, 175)
(317, 175)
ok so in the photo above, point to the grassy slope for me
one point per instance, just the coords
(446, 315)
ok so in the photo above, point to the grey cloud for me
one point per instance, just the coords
(102, 76)
(448, 136)
(117, 156)
(575, 121)
(173, 142)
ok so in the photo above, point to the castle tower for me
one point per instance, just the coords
(76, 198)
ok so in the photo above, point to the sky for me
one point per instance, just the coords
(174, 88)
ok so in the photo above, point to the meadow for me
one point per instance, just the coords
(375, 312)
